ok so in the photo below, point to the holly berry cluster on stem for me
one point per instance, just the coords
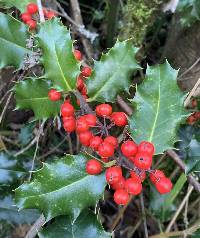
(93, 130)
(31, 15)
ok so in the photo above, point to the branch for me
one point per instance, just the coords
(41, 13)
(36, 227)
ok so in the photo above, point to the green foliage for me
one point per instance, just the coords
(159, 108)
(33, 94)
(62, 187)
(111, 75)
(20, 4)
(86, 226)
(13, 35)
(26, 133)
(10, 213)
(60, 65)
(189, 11)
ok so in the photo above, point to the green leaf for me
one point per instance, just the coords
(111, 75)
(60, 65)
(26, 133)
(20, 4)
(13, 35)
(10, 213)
(86, 226)
(62, 188)
(193, 157)
(33, 94)
(10, 170)
(159, 104)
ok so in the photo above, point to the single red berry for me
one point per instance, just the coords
(191, 120)
(133, 186)
(194, 103)
(91, 119)
(50, 14)
(67, 109)
(119, 185)
(77, 55)
(84, 90)
(121, 197)
(81, 125)
(143, 161)
(54, 95)
(32, 8)
(129, 148)
(113, 174)
(146, 147)
(112, 140)
(79, 83)
(103, 110)
(131, 158)
(69, 124)
(106, 150)
(197, 115)
(32, 24)
(156, 175)
(119, 118)
(164, 185)
(26, 17)
(85, 137)
(95, 142)
(86, 71)
(93, 167)
(139, 177)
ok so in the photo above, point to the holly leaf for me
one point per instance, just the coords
(111, 75)
(33, 94)
(159, 108)
(13, 35)
(10, 213)
(21, 5)
(86, 226)
(62, 188)
(60, 65)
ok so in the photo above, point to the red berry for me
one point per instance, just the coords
(67, 109)
(86, 71)
(146, 147)
(84, 90)
(81, 125)
(131, 158)
(50, 14)
(133, 186)
(106, 150)
(54, 95)
(156, 175)
(79, 83)
(121, 197)
(191, 120)
(85, 138)
(32, 8)
(164, 185)
(93, 167)
(95, 142)
(32, 24)
(113, 174)
(194, 103)
(129, 148)
(139, 177)
(69, 124)
(77, 55)
(143, 161)
(91, 119)
(103, 110)
(26, 17)
(119, 118)
(119, 185)
(112, 140)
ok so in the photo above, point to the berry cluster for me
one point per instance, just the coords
(93, 131)
(195, 116)
(31, 15)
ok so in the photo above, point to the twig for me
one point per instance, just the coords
(5, 107)
(124, 105)
(70, 143)
(144, 215)
(179, 209)
(36, 227)
(192, 92)
(41, 13)
(27, 147)
(190, 68)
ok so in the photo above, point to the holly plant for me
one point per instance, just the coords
(117, 149)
